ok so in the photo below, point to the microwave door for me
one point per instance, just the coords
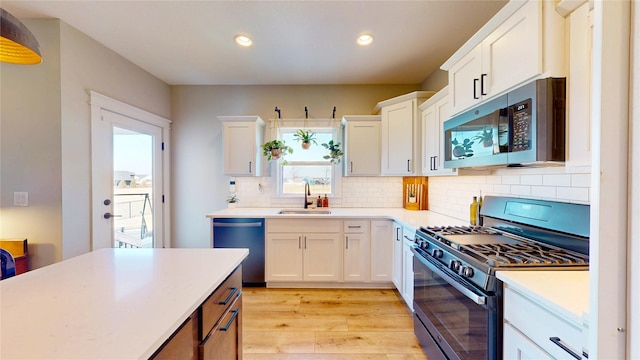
(479, 137)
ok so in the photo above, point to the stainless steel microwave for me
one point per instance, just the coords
(525, 126)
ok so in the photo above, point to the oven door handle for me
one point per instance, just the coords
(478, 299)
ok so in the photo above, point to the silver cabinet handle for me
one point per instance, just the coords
(250, 167)
(110, 215)
(354, 226)
(347, 241)
(299, 242)
(556, 340)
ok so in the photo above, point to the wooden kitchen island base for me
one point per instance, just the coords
(125, 304)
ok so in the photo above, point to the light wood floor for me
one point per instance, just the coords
(327, 324)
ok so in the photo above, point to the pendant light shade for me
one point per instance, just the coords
(17, 43)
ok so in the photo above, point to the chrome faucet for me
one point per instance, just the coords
(307, 192)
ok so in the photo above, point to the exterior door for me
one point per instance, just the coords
(128, 187)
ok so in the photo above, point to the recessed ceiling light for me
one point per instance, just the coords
(365, 39)
(243, 40)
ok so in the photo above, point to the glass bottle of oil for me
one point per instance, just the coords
(473, 211)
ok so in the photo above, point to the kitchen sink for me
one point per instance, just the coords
(304, 211)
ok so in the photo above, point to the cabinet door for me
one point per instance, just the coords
(442, 110)
(381, 250)
(519, 37)
(239, 148)
(283, 257)
(363, 154)
(430, 139)
(397, 256)
(397, 138)
(322, 257)
(407, 274)
(578, 88)
(357, 257)
(464, 81)
(517, 346)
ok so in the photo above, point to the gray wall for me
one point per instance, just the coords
(45, 136)
(198, 186)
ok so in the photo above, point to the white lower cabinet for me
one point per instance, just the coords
(397, 256)
(303, 250)
(381, 250)
(334, 252)
(532, 331)
(408, 234)
(518, 346)
(357, 253)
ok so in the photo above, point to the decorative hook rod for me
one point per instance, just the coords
(306, 112)
(333, 116)
(278, 111)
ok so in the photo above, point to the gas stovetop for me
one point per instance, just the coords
(496, 248)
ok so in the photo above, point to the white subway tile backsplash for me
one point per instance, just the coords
(531, 179)
(543, 192)
(510, 179)
(556, 180)
(574, 194)
(520, 190)
(581, 180)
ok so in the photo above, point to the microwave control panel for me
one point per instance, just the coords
(522, 123)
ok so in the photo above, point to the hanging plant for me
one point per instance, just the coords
(275, 149)
(306, 138)
(334, 152)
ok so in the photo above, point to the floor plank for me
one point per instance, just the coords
(331, 324)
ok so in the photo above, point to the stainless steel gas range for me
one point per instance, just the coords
(457, 297)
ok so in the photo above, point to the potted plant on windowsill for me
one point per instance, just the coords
(232, 201)
(334, 152)
(275, 149)
(306, 138)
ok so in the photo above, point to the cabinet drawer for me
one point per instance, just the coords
(303, 226)
(225, 341)
(216, 304)
(356, 226)
(539, 325)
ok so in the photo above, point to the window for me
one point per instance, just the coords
(307, 165)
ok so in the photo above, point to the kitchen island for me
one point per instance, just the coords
(109, 303)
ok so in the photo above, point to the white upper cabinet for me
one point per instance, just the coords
(362, 145)
(401, 134)
(578, 88)
(525, 40)
(241, 140)
(435, 112)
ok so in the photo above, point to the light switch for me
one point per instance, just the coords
(20, 199)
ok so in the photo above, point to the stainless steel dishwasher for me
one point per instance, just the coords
(243, 233)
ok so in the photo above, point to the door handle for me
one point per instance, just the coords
(250, 167)
(110, 215)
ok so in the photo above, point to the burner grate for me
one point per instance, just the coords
(523, 253)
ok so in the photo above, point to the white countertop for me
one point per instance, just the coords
(566, 293)
(109, 303)
(411, 218)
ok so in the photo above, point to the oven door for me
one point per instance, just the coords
(461, 321)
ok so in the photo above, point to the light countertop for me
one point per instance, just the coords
(109, 303)
(410, 218)
(566, 293)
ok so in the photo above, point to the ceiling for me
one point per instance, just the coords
(294, 42)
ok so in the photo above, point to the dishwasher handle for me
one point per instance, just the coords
(237, 225)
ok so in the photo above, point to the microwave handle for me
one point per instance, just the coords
(478, 299)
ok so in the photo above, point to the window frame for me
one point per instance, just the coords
(336, 174)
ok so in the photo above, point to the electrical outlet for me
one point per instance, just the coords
(20, 199)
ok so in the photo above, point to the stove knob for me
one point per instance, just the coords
(437, 253)
(455, 265)
(424, 245)
(466, 272)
